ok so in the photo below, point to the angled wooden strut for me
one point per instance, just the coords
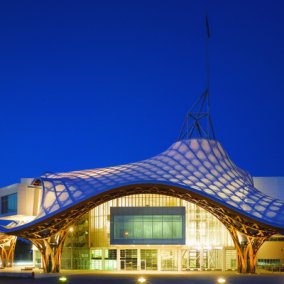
(248, 235)
(7, 249)
(51, 249)
(247, 248)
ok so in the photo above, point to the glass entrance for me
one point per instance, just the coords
(143, 264)
(122, 264)
(169, 260)
(128, 259)
(96, 259)
(231, 259)
(191, 259)
(213, 259)
(149, 259)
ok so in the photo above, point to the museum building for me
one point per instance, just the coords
(188, 208)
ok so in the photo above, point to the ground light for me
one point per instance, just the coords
(62, 279)
(221, 280)
(141, 280)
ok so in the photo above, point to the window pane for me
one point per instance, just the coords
(155, 225)
(157, 230)
(9, 204)
(148, 230)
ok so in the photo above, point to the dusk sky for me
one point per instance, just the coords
(87, 84)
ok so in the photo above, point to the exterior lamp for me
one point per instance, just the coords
(62, 278)
(221, 280)
(141, 280)
(71, 229)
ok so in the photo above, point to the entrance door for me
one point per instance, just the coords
(143, 264)
(169, 260)
(191, 259)
(128, 259)
(122, 265)
(213, 259)
(231, 259)
(149, 259)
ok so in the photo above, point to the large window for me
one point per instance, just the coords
(202, 229)
(9, 204)
(147, 225)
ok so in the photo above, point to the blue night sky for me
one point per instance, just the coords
(88, 84)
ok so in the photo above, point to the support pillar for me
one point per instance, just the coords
(247, 248)
(179, 259)
(159, 260)
(7, 250)
(138, 259)
(118, 259)
(51, 250)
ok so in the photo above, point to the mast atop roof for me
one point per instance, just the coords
(198, 123)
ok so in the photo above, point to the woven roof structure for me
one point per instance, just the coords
(197, 166)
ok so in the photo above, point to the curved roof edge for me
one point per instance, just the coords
(200, 166)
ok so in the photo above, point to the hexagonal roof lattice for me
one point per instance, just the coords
(199, 166)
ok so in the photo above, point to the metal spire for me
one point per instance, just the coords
(198, 122)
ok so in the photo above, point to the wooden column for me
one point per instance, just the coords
(51, 249)
(7, 250)
(247, 248)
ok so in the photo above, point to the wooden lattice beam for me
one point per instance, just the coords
(44, 233)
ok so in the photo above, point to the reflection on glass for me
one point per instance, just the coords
(147, 228)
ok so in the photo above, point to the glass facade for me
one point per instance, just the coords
(169, 260)
(9, 204)
(109, 237)
(76, 252)
(149, 259)
(128, 259)
(201, 227)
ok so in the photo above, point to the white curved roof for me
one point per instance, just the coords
(197, 165)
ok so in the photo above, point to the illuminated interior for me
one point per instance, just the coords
(207, 244)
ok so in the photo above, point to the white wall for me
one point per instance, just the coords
(29, 197)
(10, 189)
